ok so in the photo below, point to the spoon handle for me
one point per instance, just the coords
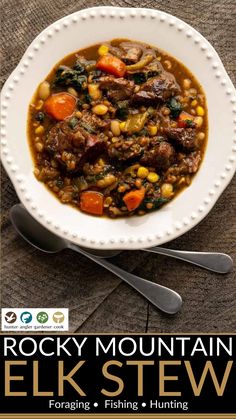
(216, 262)
(163, 298)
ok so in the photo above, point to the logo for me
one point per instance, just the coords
(34, 319)
(42, 317)
(10, 317)
(58, 317)
(26, 317)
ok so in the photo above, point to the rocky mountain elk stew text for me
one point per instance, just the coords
(118, 129)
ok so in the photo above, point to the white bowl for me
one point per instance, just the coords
(95, 25)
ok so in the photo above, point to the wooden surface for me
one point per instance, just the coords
(98, 301)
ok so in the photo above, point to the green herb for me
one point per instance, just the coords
(87, 98)
(40, 116)
(175, 107)
(95, 74)
(189, 123)
(73, 122)
(157, 202)
(80, 183)
(141, 77)
(138, 78)
(122, 111)
(91, 180)
(66, 76)
(78, 67)
(107, 169)
(79, 103)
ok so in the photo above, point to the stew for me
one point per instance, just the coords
(118, 129)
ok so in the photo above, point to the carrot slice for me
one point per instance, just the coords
(92, 202)
(134, 198)
(185, 120)
(60, 105)
(111, 64)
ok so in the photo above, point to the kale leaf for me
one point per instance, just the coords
(175, 107)
(73, 122)
(141, 77)
(66, 76)
(189, 123)
(122, 110)
(157, 202)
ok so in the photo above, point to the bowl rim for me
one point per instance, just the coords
(218, 187)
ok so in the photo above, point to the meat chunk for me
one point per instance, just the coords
(182, 137)
(128, 52)
(117, 88)
(61, 137)
(132, 53)
(159, 154)
(91, 122)
(72, 147)
(191, 163)
(156, 90)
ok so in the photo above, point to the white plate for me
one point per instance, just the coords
(95, 25)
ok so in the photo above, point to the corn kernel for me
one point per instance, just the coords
(123, 126)
(142, 172)
(194, 103)
(103, 50)
(153, 177)
(200, 111)
(100, 109)
(166, 190)
(39, 130)
(152, 129)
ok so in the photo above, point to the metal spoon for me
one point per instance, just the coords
(38, 236)
(216, 262)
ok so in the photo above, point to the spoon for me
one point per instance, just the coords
(38, 236)
(213, 261)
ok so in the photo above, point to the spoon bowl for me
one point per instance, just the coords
(34, 232)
